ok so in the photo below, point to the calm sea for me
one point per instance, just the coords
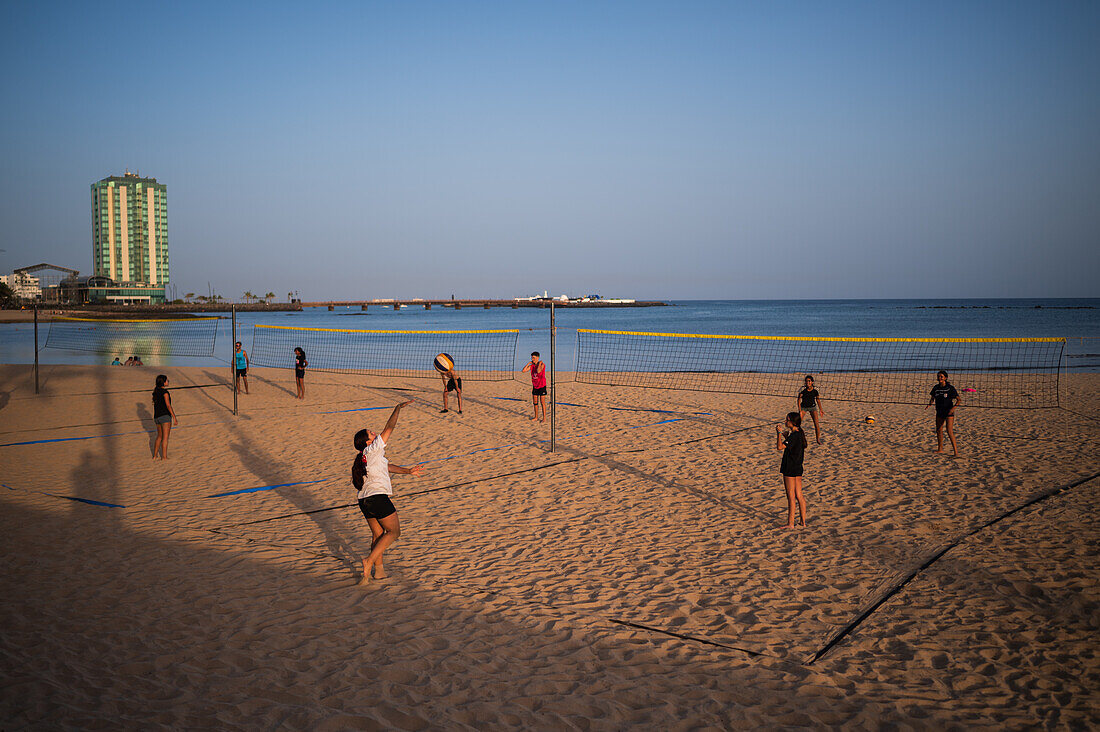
(1076, 319)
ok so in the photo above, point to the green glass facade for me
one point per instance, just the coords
(130, 231)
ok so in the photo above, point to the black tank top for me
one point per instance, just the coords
(160, 402)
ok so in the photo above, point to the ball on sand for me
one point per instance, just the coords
(869, 419)
(444, 363)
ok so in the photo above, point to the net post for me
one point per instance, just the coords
(553, 375)
(36, 348)
(233, 360)
(1063, 369)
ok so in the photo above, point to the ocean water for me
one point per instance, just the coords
(1078, 320)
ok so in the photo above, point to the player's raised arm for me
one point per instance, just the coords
(392, 421)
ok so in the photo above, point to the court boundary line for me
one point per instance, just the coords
(898, 586)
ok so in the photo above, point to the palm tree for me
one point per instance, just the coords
(269, 297)
(188, 296)
(248, 296)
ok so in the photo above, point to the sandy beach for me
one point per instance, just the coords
(637, 577)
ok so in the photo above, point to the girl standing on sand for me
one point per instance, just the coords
(793, 444)
(300, 364)
(538, 385)
(370, 474)
(946, 398)
(163, 416)
(809, 400)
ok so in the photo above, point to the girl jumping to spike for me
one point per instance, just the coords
(370, 474)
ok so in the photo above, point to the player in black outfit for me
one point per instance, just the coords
(163, 416)
(946, 398)
(300, 364)
(809, 400)
(793, 444)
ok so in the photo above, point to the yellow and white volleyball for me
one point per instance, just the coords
(444, 363)
(869, 419)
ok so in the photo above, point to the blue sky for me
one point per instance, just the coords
(657, 150)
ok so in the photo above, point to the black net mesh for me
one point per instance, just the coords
(169, 337)
(988, 372)
(479, 355)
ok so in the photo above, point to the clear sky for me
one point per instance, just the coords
(648, 149)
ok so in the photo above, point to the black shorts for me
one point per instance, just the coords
(241, 372)
(942, 416)
(378, 506)
(299, 374)
(451, 386)
(541, 391)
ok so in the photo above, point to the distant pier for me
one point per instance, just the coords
(484, 304)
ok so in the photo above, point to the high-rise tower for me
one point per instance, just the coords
(130, 230)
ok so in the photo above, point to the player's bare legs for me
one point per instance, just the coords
(951, 434)
(391, 529)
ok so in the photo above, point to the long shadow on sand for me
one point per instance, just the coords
(271, 471)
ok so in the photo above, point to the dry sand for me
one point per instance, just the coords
(637, 577)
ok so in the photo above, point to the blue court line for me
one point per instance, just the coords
(70, 439)
(538, 442)
(617, 409)
(658, 411)
(67, 498)
(266, 488)
(560, 404)
(86, 500)
(341, 411)
(96, 437)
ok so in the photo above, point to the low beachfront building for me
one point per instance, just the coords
(23, 285)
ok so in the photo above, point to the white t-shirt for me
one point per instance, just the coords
(377, 479)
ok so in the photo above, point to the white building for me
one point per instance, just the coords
(24, 286)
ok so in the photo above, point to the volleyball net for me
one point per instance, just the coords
(479, 355)
(133, 337)
(988, 372)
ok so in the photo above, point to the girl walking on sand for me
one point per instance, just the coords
(946, 398)
(163, 416)
(793, 444)
(370, 474)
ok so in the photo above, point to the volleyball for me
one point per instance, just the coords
(869, 419)
(444, 363)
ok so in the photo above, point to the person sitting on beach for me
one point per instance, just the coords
(116, 362)
(370, 474)
(451, 382)
(137, 361)
(163, 416)
(809, 400)
(129, 361)
(240, 367)
(538, 385)
(793, 444)
(300, 364)
(946, 399)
